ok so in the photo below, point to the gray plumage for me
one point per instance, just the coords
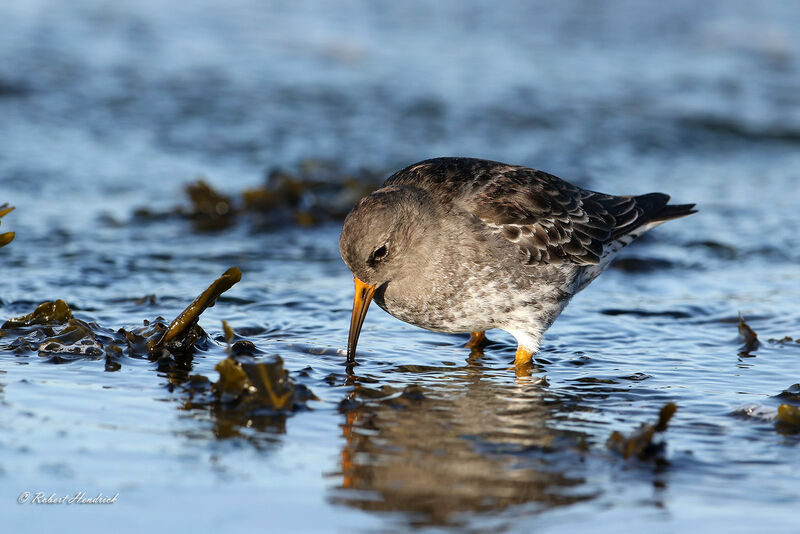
(466, 245)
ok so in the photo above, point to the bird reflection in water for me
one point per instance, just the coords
(472, 440)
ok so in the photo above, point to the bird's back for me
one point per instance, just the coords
(551, 220)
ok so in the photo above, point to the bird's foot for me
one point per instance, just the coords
(476, 340)
(523, 357)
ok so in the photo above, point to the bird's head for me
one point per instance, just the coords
(381, 241)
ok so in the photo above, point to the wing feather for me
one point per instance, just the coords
(551, 220)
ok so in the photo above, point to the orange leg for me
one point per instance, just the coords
(522, 357)
(476, 339)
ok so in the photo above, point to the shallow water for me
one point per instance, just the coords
(107, 108)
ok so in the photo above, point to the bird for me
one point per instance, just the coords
(464, 245)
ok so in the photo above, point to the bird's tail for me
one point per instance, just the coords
(655, 211)
(673, 211)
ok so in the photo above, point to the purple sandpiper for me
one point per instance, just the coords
(466, 245)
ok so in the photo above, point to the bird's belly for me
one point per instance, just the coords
(482, 301)
(440, 317)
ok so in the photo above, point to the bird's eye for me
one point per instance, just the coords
(380, 253)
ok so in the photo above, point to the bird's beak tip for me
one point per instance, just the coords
(363, 296)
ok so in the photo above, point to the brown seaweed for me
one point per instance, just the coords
(319, 192)
(788, 418)
(156, 339)
(176, 334)
(6, 237)
(316, 193)
(249, 394)
(784, 340)
(55, 312)
(55, 334)
(641, 442)
(249, 383)
(791, 393)
(210, 210)
(749, 337)
(51, 330)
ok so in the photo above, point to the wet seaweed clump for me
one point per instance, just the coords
(53, 332)
(751, 341)
(7, 237)
(172, 345)
(641, 443)
(252, 385)
(250, 392)
(249, 395)
(245, 382)
(786, 417)
(178, 334)
(716, 249)
(787, 420)
(55, 312)
(210, 210)
(247, 387)
(749, 337)
(316, 193)
(784, 340)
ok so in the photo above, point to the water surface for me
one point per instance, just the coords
(107, 108)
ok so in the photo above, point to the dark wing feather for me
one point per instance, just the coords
(551, 220)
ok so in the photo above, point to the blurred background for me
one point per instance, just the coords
(289, 111)
(126, 97)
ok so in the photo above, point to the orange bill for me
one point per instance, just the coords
(363, 297)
